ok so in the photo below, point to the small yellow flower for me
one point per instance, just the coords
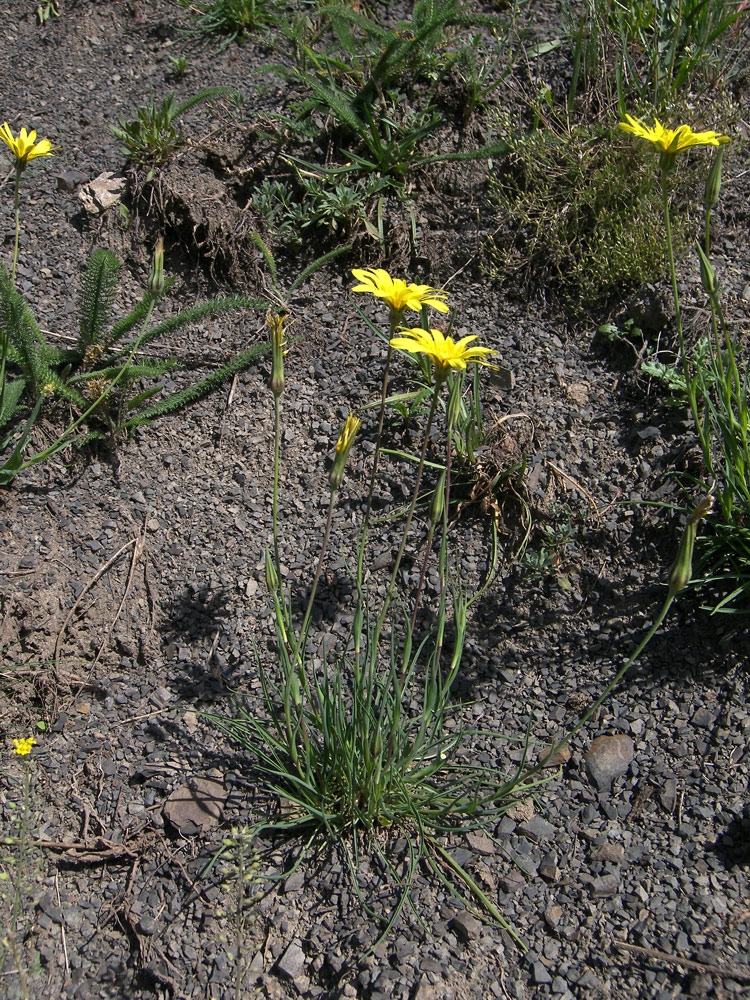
(671, 140)
(48, 389)
(442, 351)
(343, 447)
(23, 746)
(25, 147)
(276, 322)
(396, 292)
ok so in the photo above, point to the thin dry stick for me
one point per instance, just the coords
(62, 927)
(140, 541)
(573, 483)
(97, 576)
(137, 718)
(733, 972)
(227, 407)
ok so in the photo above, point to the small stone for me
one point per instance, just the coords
(147, 925)
(292, 961)
(512, 881)
(559, 985)
(605, 885)
(614, 853)
(480, 843)
(703, 719)
(521, 811)
(588, 978)
(295, 882)
(69, 180)
(559, 757)
(607, 758)
(553, 915)
(540, 974)
(700, 985)
(466, 926)
(548, 868)
(198, 803)
(668, 794)
(537, 828)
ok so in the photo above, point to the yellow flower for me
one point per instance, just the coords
(443, 352)
(23, 746)
(396, 292)
(25, 147)
(671, 140)
(343, 447)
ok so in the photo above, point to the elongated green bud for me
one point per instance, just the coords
(276, 322)
(156, 278)
(713, 182)
(343, 447)
(454, 401)
(681, 570)
(272, 577)
(437, 504)
(708, 275)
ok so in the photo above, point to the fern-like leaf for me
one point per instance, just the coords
(97, 296)
(179, 400)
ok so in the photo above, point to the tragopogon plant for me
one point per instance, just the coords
(715, 378)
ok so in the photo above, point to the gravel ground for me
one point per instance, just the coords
(626, 874)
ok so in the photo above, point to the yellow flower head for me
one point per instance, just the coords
(442, 351)
(343, 447)
(348, 433)
(671, 140)
(396, 292)
(25, 147)
(23, 746)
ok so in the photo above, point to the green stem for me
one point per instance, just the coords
(689, 383)
(395, 318)
(318, 571)
(276, 454)
(18, 223)
(409, 516)
(5, 334)
(605, 694)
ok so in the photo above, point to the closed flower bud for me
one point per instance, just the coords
(156, 278)
(276, 322)
(713, 182)
(454, 401)
(437, 504)
(272, 577)
(708, 275)
(681, 570)
(343, 447)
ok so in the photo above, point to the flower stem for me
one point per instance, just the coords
(318, 571)
(689, 383)
(18, 224)
(409, 516)
(276, 454)
(605, 694)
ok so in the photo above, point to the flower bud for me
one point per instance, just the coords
(708, 275)
(437, 504)
(343, 447)
(681, 571)
(272, 576)
(276, 322)
(713, 182)
(156, 278)
(454, 401)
